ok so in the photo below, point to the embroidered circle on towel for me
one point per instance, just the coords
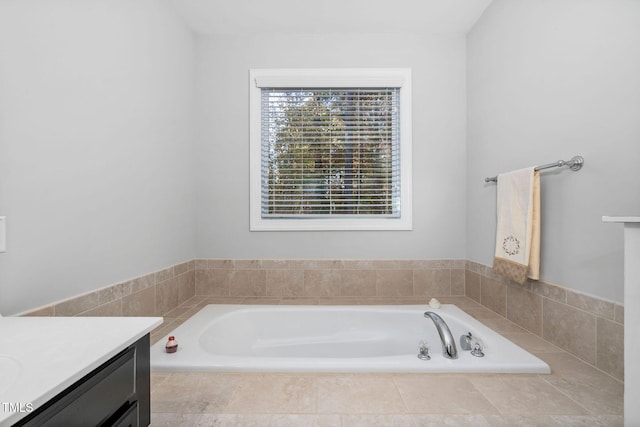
(511, 245)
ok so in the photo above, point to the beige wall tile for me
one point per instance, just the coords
(550, 291)
(493, 295)
(592, 305)
(457, 281)
(186, 286)
(532, 343)
(77, 305)
(276, 264)
(472, 285)
(212, 282)
(181, 268)
(525, 309)
(142, 282)
(318, 264)
(618, 313)
(432, 282)
(166, 296)
(358, 283)
(571, 329)
(247, 264)
(226, 264)
(394, 283)
(358, 264)
(141, 303)
(610, 348)
(248, 283)
(322, 283)
(164, 275)
(284, 283)
(503, 326)
(440, 263)
(113, 308)
(47, 311)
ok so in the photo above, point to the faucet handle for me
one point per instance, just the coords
(477, 349)
(423, 351)
(465, 341)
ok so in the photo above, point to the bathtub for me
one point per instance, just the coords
(281, 338)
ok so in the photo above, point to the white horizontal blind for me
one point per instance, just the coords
(330, 152)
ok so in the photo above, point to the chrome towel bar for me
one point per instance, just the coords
(574, 164)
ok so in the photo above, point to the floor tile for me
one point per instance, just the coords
(599, 394)
(595, 421)
(569, 366)
(232, 420)
(438, 394)
(193, 393)
(522, 421)
(306, 420)
(273, 393)
(449, 421)
(353, 394)
(526, 395)
(174, 420)
(377, 420)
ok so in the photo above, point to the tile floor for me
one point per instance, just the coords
(575, 394)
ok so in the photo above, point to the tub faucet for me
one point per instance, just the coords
(449, 349)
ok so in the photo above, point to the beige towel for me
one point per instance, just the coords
(517, 253)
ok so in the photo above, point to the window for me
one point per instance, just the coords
(330, 149)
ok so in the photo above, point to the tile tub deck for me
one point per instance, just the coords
(575, 394)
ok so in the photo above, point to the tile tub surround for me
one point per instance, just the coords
(587, 327)
(329, 279)
(591, 329)
(153, 294)
(575, 393)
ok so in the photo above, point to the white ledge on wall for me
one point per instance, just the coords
(621, 219)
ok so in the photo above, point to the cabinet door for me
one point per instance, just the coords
(93, 399)
(128, 419)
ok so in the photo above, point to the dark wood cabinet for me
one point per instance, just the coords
(117, 393)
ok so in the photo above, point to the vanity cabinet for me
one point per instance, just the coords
(117, 393)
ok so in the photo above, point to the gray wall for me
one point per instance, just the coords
(95, 145)
(547, 80)
(116, 161)
(222, 147)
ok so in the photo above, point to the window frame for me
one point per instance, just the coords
(329, 78)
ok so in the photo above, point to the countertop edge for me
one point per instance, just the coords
(140, 326)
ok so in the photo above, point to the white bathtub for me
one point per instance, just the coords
(255, 338)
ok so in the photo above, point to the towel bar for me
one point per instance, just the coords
(574, 164)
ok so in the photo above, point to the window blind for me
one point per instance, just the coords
(330, 152)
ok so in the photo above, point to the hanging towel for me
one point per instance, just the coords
(517, 253)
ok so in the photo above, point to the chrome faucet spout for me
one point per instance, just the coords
(449, 349)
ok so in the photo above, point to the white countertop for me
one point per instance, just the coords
(41, 356)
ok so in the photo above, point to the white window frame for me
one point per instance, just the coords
(335, 78)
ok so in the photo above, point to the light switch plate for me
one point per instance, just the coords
(3, 233)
